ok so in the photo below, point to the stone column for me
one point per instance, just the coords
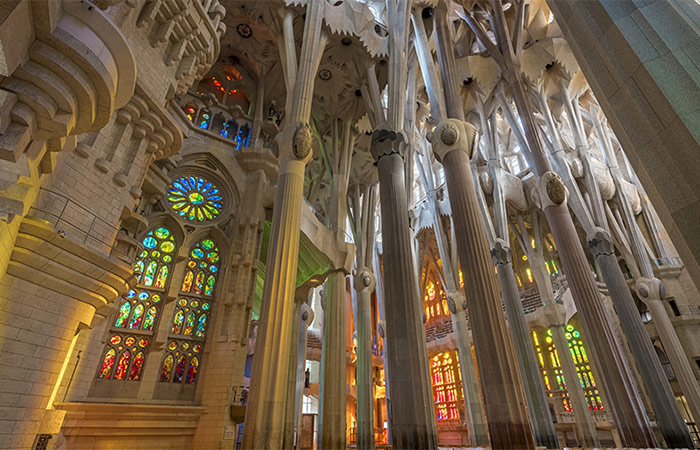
(470, 384)
(625, 403)
(506, 414)
(538, 406)
(228, 337)
(585, 425)
(364, 284)
(334, 373)
(659, 391)
(410, 409)
(651, 292)
(266, 410)
(306, 316)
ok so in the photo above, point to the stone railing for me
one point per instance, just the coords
(210, 116)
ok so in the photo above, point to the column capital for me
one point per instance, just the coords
(650, 289)
(364, 279)
(452, 134)
(387, 142)
(500, 253)
(600, 243)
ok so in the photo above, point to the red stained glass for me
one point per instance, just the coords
(192, 370)
(136, 367)
(107, 363)
(122, 365)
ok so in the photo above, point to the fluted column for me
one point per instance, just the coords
(652, 293)
(266, 411)
(615, 378)
(671, 423)
(538, 406)
(364, 284)
(410, 408)
(586, 434)
(333, 394)
(506, 414)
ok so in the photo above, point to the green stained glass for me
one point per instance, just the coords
(195, 199)
(167, 259)
(208, 244)
(162, 233)
(167, 246)
(213, 257)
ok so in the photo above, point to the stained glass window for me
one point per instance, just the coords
(191, 317)
(139, 310)
(181, 363)
(153, 265)
(447, 385)
(195, 199)
(118, 363)
(550, 366)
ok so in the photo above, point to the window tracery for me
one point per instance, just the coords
(191, 315)
(550, 367)
(139, 310)
(195, 199)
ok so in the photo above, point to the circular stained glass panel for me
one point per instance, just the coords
(195, 199)
(172, 345)
(115, 340)
(129, 341)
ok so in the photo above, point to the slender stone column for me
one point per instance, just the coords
(453, 144)
(470, 384)
(364, 285)
(626, 405)
(504, 401)
(410, 409)
(670, 421)
(537, 403)
(267, 410)
(306, 316)
(585, 426)
(633, 425)
(334, 373)
(651, 292)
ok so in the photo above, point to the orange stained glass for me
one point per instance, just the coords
(447, 389)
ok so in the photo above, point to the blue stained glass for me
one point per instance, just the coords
(131, 293)
(143, 295)
(195, 199)
(149, 242)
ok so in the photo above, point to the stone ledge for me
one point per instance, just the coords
(44, 257)
(109, 419)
